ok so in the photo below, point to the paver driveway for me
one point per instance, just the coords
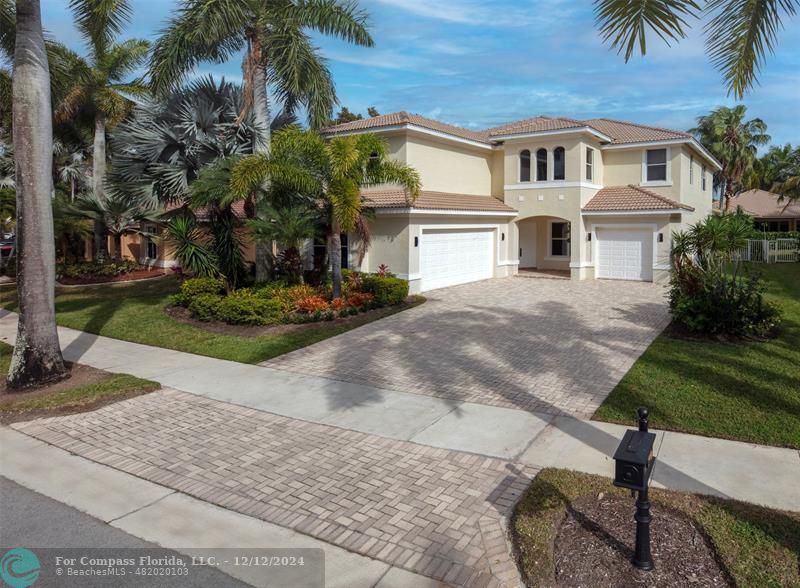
(542, 345)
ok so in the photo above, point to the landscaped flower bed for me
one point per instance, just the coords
(88, 272)
(277, 302)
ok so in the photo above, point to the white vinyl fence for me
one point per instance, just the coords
(770, 251)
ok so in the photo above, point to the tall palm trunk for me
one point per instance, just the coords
(263, 138)
(335, 255)
(98, 185)
(37, 354)
(118, 245)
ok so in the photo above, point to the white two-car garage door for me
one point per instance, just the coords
(449, 257)
(625, 254)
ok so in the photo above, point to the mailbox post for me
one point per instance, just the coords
(634, 464)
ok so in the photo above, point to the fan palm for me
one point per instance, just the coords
(337, 170)
(739, 34)
(734, 142)
(278, 52)
(102, 82)
(115, 214)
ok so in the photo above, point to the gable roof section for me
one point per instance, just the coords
(431, 200)
(536, 124)
(630, 198)
(763, 204)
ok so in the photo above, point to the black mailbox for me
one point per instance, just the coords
(634, 460)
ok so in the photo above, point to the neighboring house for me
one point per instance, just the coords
(596, 198)
(769, 214)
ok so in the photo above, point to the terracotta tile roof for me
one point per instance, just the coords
(430, 200)
(534, 125)
(763, 204)
(628, 198)
(626, 132)
(621, 132)
(401, 118)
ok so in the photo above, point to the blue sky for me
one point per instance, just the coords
(480, 63)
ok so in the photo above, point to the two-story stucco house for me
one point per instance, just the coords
(598, 198)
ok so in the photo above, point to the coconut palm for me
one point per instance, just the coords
(37, 355)
(102, 82)
(785, 177)
(739, 34)
(734, 142)
(278, 52)
(337, 170)
(117, 215)
(71, 167)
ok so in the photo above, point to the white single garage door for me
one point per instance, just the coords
(449, 257)
(625, 254)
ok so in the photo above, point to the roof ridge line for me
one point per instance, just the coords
(661, 197)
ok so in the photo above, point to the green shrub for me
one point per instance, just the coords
(246, 307)
(723, 305)
(90, 269)
(194, 287)
(204, 306)
(387, 290)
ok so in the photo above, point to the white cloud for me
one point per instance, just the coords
(473, 12)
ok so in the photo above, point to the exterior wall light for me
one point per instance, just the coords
(502, 236)
(416, 241)
(634, 463)
(588, 236)
(661, 237)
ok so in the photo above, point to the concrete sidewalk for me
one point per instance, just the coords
(685, 462)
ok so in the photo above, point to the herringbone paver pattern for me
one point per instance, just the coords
(432, 511)
(554, 346)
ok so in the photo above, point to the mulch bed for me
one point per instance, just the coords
(594, 547)
(676, 330)
(183, 315)
(139, 274)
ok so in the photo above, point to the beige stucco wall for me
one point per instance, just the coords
(390, 245)
(692, 193)
(446, 166)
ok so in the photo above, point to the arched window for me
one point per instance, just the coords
(525, 166)
(541, 165)
(558, 163)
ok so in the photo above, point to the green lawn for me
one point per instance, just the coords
(76, 398)
(135, 312)
(749, 392)
(756, 546)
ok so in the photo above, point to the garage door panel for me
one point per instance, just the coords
(625, 254)
(451, 257)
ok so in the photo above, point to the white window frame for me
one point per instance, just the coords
(691, 169)
(668, 181)
(531, 169)
(550, 256)
(588, 170)
(703, 179)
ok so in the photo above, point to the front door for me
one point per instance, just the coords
(527, 245)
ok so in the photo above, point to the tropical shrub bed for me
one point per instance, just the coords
(711, 292)
(278, 302)
(91, 269)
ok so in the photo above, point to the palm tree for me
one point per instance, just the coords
(739, 34)
(70, 231)
(71, 167)
(278, 51)
(734, 142)
(101, 83)
(117, 215)
(288, 226)
(37, 355)
(337, 170)
(785, 177)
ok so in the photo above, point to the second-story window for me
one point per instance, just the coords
(691, 169)
(656, 162)
(524, 166)
(589, 164)
(541, 165)
(558, 163)
(703, 179)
